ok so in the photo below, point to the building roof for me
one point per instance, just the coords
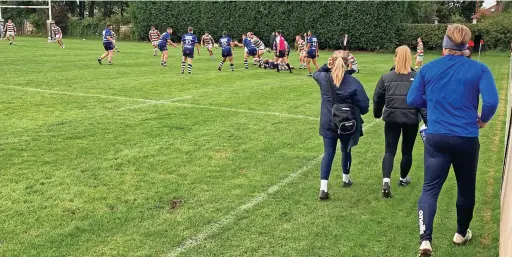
(497, 8)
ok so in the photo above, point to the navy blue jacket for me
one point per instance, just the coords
(349, 86)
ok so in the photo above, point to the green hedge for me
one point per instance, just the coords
(496, 31)
(370, 25)
(431, 34)
(93, 27)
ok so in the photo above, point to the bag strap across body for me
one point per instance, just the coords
(334, 97)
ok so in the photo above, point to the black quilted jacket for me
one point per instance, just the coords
(390, 99)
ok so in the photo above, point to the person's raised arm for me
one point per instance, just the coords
(379, 98)
(490, 97)
(416, 95)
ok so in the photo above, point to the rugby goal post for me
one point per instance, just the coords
(49, 22)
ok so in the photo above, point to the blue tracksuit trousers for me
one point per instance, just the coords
(441, 152)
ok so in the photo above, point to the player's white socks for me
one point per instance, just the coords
(346, 178)
(323, 185)
(386, 180)
(154, 51)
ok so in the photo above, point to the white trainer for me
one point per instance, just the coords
(425, 249)
(458, 239)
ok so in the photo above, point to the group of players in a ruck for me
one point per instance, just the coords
(253, 46)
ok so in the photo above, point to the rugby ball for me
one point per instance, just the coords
(216, 45)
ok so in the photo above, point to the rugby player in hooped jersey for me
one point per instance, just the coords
(154, 36)
(10, 32)
(188, 42)
(108, 45)
(259, 45)
(301, 51)
(227, 51)
(207, 41)
(165, 39)
(57, 34)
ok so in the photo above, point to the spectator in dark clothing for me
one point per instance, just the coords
(400, 119)
(272, 42)
(332, 79)
(450, 88)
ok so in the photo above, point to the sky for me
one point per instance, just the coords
(489, 3)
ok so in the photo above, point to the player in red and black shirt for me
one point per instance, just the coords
(154, 36)
(281, 48)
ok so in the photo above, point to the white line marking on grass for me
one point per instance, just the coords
(215, 227)
(149, 102)
(80, 94)
(153, 103)
(246, 111)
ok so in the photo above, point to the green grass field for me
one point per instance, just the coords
(137, 160)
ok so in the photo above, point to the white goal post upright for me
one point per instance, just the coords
(49, 22)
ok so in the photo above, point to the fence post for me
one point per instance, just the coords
(506, 189)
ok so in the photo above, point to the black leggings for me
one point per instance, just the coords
(392, 133)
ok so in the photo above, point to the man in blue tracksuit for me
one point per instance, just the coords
(450, 88)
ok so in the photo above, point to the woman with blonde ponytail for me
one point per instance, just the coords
(401, 120)
(343, 99)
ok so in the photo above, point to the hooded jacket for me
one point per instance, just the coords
(350, 87)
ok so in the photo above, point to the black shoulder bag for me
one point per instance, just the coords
(343, 119)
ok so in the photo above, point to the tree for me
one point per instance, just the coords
(91, 9)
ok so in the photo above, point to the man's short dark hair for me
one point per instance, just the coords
(224, 33)
(109, 25)
(278, 32)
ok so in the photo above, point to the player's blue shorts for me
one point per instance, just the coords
(312, 54)
(109, 46)
(162, 47)
(226, 53)
(188, 52)
(252, 51)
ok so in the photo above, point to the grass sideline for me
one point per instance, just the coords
(95, 161)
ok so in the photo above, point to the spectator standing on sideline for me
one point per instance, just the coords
(272, 41)
(449, 88)
(349, 94)
(400, 119)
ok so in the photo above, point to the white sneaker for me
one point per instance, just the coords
(458, 239)
(425, 249)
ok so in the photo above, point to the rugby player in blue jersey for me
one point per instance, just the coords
(312, 52)
(108, 45)
(188, 42)
(165, 39)
(227, 52)
(250, 49)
